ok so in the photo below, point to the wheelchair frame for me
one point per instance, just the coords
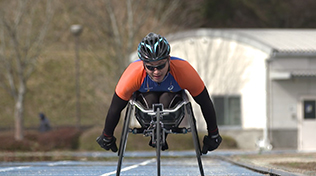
(157, 131)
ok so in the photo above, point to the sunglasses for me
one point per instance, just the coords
(158, 67)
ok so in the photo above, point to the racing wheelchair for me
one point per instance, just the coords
(157, 123)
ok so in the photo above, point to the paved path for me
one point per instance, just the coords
(182, 163)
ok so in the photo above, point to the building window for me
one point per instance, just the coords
(309, 109)
(228, 110)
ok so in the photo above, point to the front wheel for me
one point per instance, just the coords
(158, 141)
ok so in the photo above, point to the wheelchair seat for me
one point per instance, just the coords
(172, 115)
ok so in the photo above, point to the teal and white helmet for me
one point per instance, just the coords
(153, 47)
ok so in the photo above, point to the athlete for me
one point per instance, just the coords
(159, 77)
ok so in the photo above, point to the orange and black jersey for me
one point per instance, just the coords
(180, 76)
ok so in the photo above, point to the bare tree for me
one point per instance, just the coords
(118, 24)
(23, 28)
(224, 72)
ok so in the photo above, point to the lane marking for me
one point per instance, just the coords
(14, 168)
(59, 163)
(131, 167)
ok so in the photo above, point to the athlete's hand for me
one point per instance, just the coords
(211, 143)
(107, 142)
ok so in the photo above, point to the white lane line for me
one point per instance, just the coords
(131, 167)
(14, 168)
(59, 163)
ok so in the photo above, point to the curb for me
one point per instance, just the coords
(260, 169)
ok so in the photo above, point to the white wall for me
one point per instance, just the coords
(286, 94)
(254, 91)
(285, 97)
(228, 68)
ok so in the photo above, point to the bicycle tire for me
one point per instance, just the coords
(158, 139)
(195, 137)
(124, 137)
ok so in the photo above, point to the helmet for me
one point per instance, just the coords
(153, 47)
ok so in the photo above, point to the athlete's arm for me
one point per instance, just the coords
(129, 82)
(114, 114)
(189, 79)
(208, 111)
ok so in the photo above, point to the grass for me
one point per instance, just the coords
(310, 166)
(52, 90)
(291, 162)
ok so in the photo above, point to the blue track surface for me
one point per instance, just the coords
(182, 163)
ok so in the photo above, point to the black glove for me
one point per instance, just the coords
(107, 142)
(211, 143)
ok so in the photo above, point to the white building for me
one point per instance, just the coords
(262, 81)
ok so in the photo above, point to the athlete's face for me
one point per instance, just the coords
(157, 70)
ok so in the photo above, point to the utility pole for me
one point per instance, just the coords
(76, 30)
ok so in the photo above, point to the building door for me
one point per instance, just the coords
(307, 124)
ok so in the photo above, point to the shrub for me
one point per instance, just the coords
(139, 142)
(60, 138)
(64, 138)
(9, 144)
(87, 139)
(228, 143)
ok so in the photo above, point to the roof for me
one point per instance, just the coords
(277, 42)
(284, 75)
(304, 73)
